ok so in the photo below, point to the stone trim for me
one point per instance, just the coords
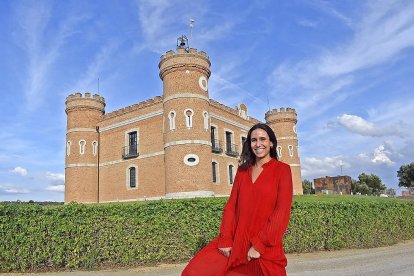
(185, 95)
(294, 165)
(143, 156)
(189, 194)
(81, 165)
(231, 122)
(184, 142)
(287, 138)
(80, 129)
(133, 120)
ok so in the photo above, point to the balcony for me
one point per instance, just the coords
(216, 146)
(130, 151)
(231, 150)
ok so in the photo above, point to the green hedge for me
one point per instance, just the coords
(80, 236)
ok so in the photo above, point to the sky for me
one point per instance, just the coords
(347, 67)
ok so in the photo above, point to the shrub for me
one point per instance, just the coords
(81, 236)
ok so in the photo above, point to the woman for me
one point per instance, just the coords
(255, 217)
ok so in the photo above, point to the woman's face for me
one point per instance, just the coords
(260, 143)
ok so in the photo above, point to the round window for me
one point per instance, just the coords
(202, 82)
(191, 159)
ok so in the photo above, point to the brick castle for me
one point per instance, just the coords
(180, 144)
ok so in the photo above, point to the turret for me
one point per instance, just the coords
(187, 143)
(283, 123)
(81, 168)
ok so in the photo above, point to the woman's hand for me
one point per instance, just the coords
(225, 251)
(252, 254)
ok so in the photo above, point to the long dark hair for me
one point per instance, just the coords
(247, 157)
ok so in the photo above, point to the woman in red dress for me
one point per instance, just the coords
(255, 217)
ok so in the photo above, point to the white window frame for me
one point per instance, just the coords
(290, 148)
(127, 182)
(68, 144)
(188, 119)
(94, 147)
(205, 120)
(82, 147)
(232, 141)
(126, 137)
(217, 172)
(172, 116)
(228, 174)
(279, 151)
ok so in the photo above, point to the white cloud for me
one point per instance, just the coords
(361, 126)
(380, 35)
(307, 23)
(56, 188)
(19, 170)
(12, 189)
(55, 176)
(381, 155)
(318, 167)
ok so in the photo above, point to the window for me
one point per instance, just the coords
(205, 117)
(171, 116)
(132, 177)
(290, 147)
(82, 145)
(214, 167)
(94, 147)
(191, 159)
(279, 151)
(243, 140)
(68, 147)
(231, 174)
(188, 113)
(215, 143)
(130, 150)
(231, 149)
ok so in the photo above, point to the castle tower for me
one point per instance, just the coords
(187, 142)
(81, 158)
(283, 123)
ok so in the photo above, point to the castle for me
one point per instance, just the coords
(180, 144)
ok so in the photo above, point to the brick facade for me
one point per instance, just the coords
(169, 143)
(333, 185)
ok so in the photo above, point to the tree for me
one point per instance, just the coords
(373, 182)
(406, 176)
(363, 189)
(307, 187)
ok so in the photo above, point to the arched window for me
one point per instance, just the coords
(205, 117)
(132, 177)
(68, 144)
(215, 170)
(188, 113)
(171, 116)
(279, 151)
(231, 174)
(94, 148)
(82, 145)
(290, 147)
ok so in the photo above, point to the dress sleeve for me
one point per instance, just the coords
(228, 222)
(273, 231)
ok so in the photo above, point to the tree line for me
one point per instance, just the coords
(372, 184)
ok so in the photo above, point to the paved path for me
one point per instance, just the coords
(393, 260)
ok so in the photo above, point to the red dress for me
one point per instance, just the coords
(256, 214)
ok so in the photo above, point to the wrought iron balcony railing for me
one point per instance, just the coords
(231, 150)
(130, 151)
(216, 146)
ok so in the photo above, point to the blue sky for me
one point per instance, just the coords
(345, 66)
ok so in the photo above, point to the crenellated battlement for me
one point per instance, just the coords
(140, 105)
(182, 51)
(77, 100)
(183, 60)
(288, 114)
